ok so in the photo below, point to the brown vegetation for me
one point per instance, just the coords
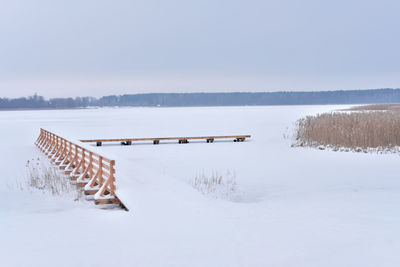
(355, 130)
(46, 178)
(377, 107)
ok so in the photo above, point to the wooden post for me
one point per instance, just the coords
(49, 144)
(112, 178)
(93, 185)
(100, 177)
(59, 152)
(72, 164)
(43, 141)
(80, 166)
(91, 171)
(68, 155)
(82, 180)
(63, 152)
(108, 188)
(54, 147)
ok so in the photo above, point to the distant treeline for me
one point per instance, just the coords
(209, 99)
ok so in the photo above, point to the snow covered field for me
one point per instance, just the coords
(291, 206)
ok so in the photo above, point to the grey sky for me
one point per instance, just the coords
(69, 48)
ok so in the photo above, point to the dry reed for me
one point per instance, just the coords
(376, 107)
(355, 130)
(47, 178)
(216, 184)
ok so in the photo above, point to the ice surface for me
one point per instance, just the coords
(294, 206)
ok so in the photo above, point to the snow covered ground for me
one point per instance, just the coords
(291, 206)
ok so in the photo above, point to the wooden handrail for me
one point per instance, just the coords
(88, 169)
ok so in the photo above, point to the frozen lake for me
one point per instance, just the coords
(292, 206)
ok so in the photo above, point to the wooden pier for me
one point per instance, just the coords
(156, 140)
(94, 172)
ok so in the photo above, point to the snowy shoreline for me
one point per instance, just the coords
(292, 206)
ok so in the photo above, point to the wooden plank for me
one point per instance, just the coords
(81, 184)
(90, 192)
(113, 200)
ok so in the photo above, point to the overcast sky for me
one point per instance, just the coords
(71, 48)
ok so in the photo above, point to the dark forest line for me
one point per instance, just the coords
(370, 96)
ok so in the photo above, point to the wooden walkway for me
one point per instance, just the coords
(94, 172)
(156, 140)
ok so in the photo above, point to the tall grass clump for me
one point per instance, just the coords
(215, 184)
(354, 130)
(45, 178)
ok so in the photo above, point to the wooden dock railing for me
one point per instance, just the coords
(88, 169)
